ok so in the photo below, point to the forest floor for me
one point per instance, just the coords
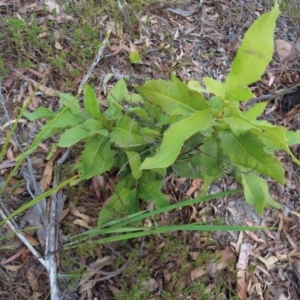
(47, 46)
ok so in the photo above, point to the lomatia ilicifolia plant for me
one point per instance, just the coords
(169, 126)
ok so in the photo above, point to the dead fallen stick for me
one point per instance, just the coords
(270, 97)
(93, 65)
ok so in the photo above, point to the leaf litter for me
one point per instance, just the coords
(195, 40)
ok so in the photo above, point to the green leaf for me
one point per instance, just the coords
(72, 136)
(151, 191)
(238, 125)
(239, 94)
(126, 181)
(211, 158)
(175, 136)
(134, 160)
(71, 102)
(292, 137)
(97, 157)
(194, 142)
(248, 150)
(277, 135)
(141, 113)
(252, 57)
(195, 85)
(211, 161)
(64, 121)
(126, 133)
(114, 99)
(257, 192)
(184, 168)
(105, 80)
(149, 134)
(94, 126)
(133, 98)
(255, 111)
(215, 87)
(216, 104)
(172, 98)
(119, 204)
(148, 176)
(134, 57)
(118, 92)
(91, 103)
(41, 112)
(79, 132)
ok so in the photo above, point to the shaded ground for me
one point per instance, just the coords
(193, 39)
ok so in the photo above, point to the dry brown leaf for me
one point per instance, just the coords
(32, 241)
(25, 255)
(35, 296)
(225, 258)
(63, 18)
(47, 91)
(254, 236)
(198, 273)
(256, 287)
(10, 154)
(77, 80)
(33, 105)
(289, 238)
(12, 122)
(82, 223)
(270, 235)
(271, 260)
(149, 285)
(295, 213)
(264, 271)
(75, 212)
(42, 35)
(113, 289)
(85, 282)
(132, 47)
(292, 114)
(44, 146)
(195, 185)
(271, 80)
(181, 283)
(194, 255)
(96, 187)
(64, 213)
(12, 76)
(32, 281)
(13, 268)
(47, 175)
(58, 46)
(283, 48)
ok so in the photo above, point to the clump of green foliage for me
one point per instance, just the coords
(168, 126)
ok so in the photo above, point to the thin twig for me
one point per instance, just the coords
(93, 65)
(270, 97)
(51, 232)
(24, 240)
(28, 174)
